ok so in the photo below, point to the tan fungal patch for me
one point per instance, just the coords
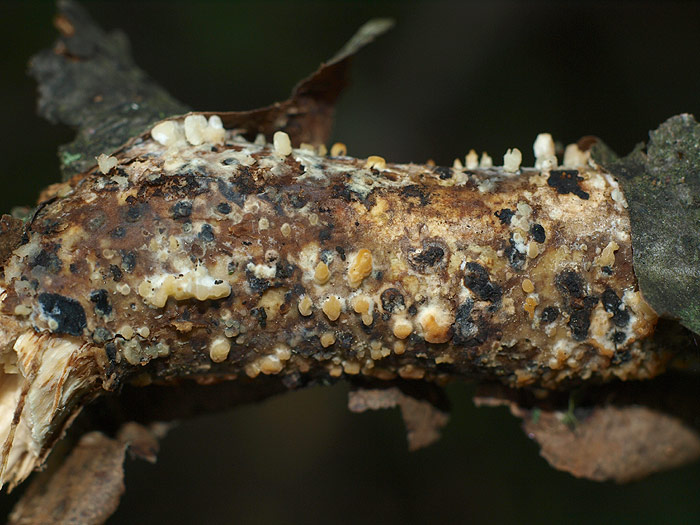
(399, 347)
(486, 161)
(375, 162)
(339, 150)
(411, 372)
(607, 256)
(527, 286)
(360, 267)
(322, 274)
(286, 229)
(351, 367)
(436, 324)
(263, 223)
(531, 303)
(402, 328)
(168, 133)
(332, 308)
(305, 305)
(219, 349)
(327, 339)
(195, 284)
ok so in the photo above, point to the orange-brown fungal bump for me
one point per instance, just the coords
(351, 367)
(471, 160)
(360, 267)
(305, 304)
(322, 274)
(282, 143)
(607, 256)
(402, 328)
(531, 303)
(533, 250)
(399, 347)
(361, 304)
(106, 163)
(332, 308)
(527, 286)
(367, 319)
(286, 229)
(335, 371)
(270, 364)
(327, 339)
(436, 324)
(375, 162)
(338, 150)
(322, 150)
(252, 370)
(430, 162)
(411, 372)
(219, 349)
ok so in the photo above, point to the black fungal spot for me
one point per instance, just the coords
(100, 335)
(566, 181)
(229, 161)
(116, 272)
(327, 256)
(133, 213)
(412, 310)
(224, 208)
(619, 338)
(464, 328)
(416, 191)
(129, 262)
(549, 315)
(607, 270)
(341, 191)
(206, 233)
(73, 268)
(427, 257)
(48, 260)
(111, 351)
(341, 252)
(261, 315)
(392, 300)
(444, 172)
(101, 300)
(345, 340)
(257, 284)
(505, 215)
(537, 232)
(284, 270)
(325, 234)
(118, 232)
(298, 200)
(95, 223)
(612, 303)
(515, 258)
(181, 210)
(579, 323)
(68, 313)
(476, 278)
(569, 282)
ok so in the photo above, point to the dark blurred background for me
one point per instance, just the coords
(449, 77)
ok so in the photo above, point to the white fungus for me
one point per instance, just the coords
(545, 154)
(512, 160)
(574, 157)
(472, 160)
(486, 161)
(282, 144)
(167, 133)
(106, 163)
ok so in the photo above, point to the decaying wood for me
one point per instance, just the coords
(230, 249)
